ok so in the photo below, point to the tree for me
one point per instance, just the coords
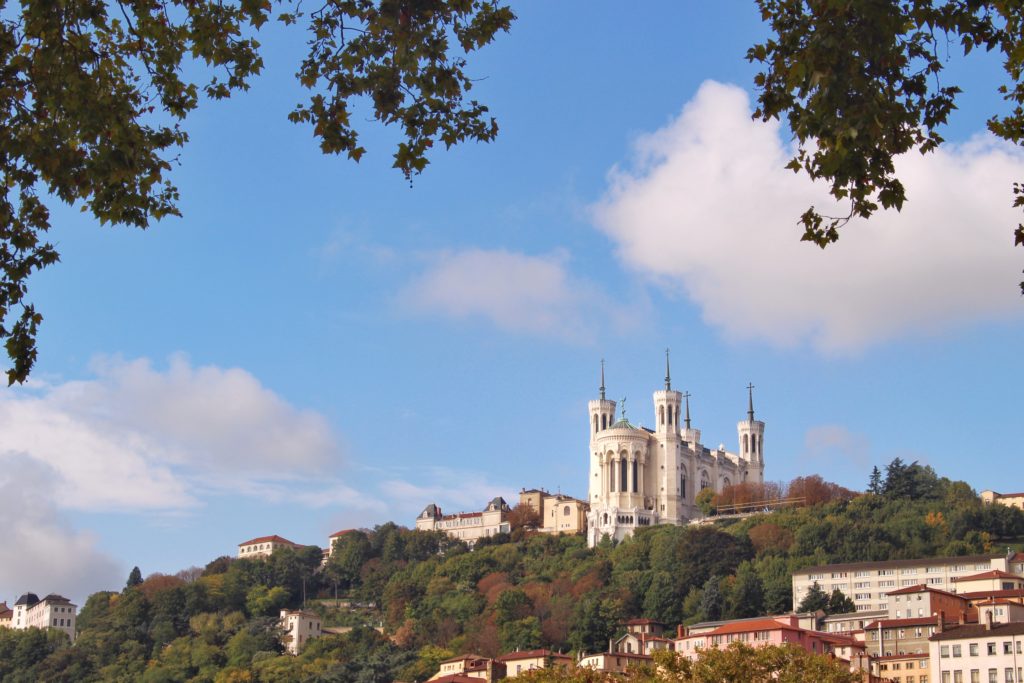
(747, 598)
(875, 482)
(94, 102)
(705, 501)
(816, 599)
(859, 83)
(712, 603)
(838, 603)
(134, 578)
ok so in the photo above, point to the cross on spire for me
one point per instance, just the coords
(602, 379)
(623, 406)
(686, 397)
(750, 402)
(668, 374)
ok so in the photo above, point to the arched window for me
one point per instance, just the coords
(634, 476)
(606, 518)
(682, 485)
(611, 477)
(670, 411)
(704, 480)
(604, 423)
(753, 444)
(746, 448)
(677, 414)
(567, 511)
(624, 474)
(595, 424)
(726, 482)
(661, 414)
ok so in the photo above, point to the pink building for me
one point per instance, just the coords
(768, 631)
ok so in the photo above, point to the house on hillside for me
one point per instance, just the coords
(299, 628)
(264, 546)
(527, 660)
(53, 611)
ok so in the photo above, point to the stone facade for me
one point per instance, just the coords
(559, 513)
(641, 477)
(467, 526)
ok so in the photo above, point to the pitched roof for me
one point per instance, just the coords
(456, 678)
(54, 598)
(994, 574)
(752, 625)
(27, 599)
(910, 621)
(1015, 628)
(644, 622)
(922, 588)
(271, 539)
(1007, 593)
(336, 534)
(531, 654)
(462, 658)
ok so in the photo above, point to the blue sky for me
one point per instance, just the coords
(316, 345)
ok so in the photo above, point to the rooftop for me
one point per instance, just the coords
(920, 562)
(270, 539)
(980, 631)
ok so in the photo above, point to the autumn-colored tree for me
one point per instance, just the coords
(815, 490)
(769, 538)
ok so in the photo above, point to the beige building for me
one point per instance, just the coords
(615, 662)
(907, 668)
(467, 526)
(869, 583)
(527, 660)
(1014, 500)
(53, 611)
(559, 513)
(6, 615)
(299, 628)
(642, 477)
(472, 667)
(264, 546)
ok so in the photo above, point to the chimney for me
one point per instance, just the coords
(610, 649)
(940, 623)
(680, 631)
(988, 620)
(963, 617)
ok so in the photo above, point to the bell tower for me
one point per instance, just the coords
(602, 416)
(602, 411)
(667, 460)
(751, 436)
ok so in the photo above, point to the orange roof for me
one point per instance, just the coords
(341, 533)
(271, 539)
(456, 678)
(462, 658)
(994, 574)
(921, 588)
(911, 621)
(1006, 593)
(531, 654)
(756, 625)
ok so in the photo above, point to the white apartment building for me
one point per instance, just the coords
(53, 611)
(869, 583)
(988, 652)
(467, 526)
(299, 628)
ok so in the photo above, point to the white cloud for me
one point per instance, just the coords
(44, 553)
(708, 209)
(515, 291)
(134, 437)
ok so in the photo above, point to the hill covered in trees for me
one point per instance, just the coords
(435, 598)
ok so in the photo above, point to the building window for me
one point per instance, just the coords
(958, 676)
(1007, 647)
(944, 650)
(635, 469)
(975, 676)
(991, 648)
(623, 475)
(993, 676)
(956, 648)
(567, 511)
(973, 647)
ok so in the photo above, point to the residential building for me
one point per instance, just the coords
(467, 526)
(924, 601)
(264, 546)
(299, 627)
(770, 631)
(906, 668)
(851, 622)
(891, 637)
(1014, 500)
(559, 513)
(642, 477)
(518, 662)
(6, 615)
(615, 662)
(992, 580)
(474, 667)
(53, 611)
(869, 583)
(988, 652)
(334, 537)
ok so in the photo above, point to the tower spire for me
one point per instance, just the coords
(686, 396)
(668, 374)
(602, 379)
(750, 402)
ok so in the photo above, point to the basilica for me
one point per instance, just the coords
(641, 477)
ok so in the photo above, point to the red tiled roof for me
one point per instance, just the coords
(462, 658)
(270, 539)
(643, 622)
(994, 574)
(456, 678)
(921, 588)
(747, 626)
(530, 654)
(1007, 593)
(341, 533)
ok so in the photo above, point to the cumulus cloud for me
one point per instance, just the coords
(708, 209)
(514, 291)
(134, 437)
(44, 553)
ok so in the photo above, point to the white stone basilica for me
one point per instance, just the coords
(640, 477)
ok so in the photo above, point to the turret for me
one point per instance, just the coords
(667, 406)
(751, 438)
(602, 411)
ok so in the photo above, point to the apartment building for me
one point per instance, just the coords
(869, 583)
(989, 652)
(6, 615)
(528, 660)
(906, 668)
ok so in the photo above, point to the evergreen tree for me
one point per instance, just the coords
(747, 598)
(875, 483)
(712, 603)
(134, 578)
(816, 599)
(838, 603)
